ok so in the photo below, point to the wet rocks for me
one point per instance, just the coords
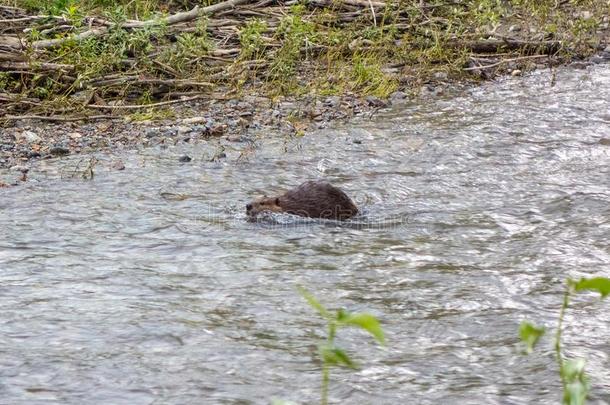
(151, 132)
(234, 121)
(20, 168)
(376, 102)
(194, 120)
(184, 129)
(333, 102)
(398, 96)
(184, 159)
(601, 57)
(28, 136)
(118, 165)
(59, 150)
(441, 76)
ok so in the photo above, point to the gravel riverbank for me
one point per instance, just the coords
(237, 120)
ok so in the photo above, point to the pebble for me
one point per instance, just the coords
(218, 130)
(185, 158)
(194, 120)
(579, 65)
(376, 101)
(183, 129)
(600, 58)
(151, 133)
(118, 165)
(604, 141)
(516, 72)
(169, 131)
(333, 102)
(20, 168)
(427, 90)
(586, 15)
(59, 151)
(441, 76)
(398, 95)
(75, 135)
(29, 137)
(244, 106)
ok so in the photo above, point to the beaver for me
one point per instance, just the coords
(313, 199)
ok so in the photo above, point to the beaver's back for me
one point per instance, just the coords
(318, 199)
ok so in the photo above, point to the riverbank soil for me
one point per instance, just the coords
(80, 76)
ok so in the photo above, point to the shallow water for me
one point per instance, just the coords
(112, 291)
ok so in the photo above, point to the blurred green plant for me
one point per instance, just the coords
(330, 354)
(571, 371)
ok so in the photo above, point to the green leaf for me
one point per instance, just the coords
(364, 321)
(313, 302)
(530, 334)
(576, 386)
(334, 356)
(599, 284)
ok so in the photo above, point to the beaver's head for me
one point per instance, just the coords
(269, 204)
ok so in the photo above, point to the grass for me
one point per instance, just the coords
(300, 50)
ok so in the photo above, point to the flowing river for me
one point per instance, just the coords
(148, 285)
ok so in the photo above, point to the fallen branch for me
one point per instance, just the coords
(50, 43)
(177, 83)
(36, 65)
(481, 67)
(137, 107)
(493, 45)
(60, 118)
(33, 18)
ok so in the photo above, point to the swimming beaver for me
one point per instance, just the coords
(314, 199)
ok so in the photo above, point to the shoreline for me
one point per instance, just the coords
(234, 120)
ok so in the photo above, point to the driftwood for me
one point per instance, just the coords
(144, 106)
(60, 118)
(36, 66)
(496, 45)
(171, 20)
(502, 61)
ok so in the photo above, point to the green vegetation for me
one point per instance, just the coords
(571, 371)
(330, 354)
(131, 53)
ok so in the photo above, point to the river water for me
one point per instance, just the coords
(478, 206)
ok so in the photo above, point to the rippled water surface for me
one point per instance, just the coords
(111, 292)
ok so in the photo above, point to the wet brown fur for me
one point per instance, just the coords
(313, 199)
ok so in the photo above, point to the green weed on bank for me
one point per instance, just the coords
(305, 48)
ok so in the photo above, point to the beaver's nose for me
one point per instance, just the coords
(248, 207)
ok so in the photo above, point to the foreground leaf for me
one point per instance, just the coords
(530, 334)
(599, 284)
(335, 357)
(364, 321)
(313, 302)
(576, 386)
